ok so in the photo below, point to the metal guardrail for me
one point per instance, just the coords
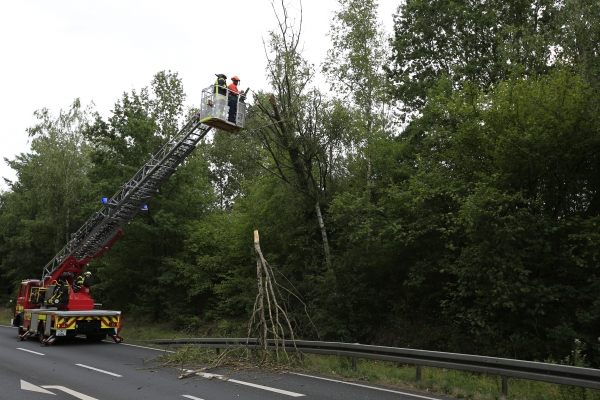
(553, 373)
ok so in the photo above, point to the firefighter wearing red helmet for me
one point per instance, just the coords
(234, 94)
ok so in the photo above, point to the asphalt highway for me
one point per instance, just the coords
(76, 369)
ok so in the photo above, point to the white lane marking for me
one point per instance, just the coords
(33, 388)
(367, 386)
(191, 397)
(224, 378)
(30, 351)
(73, 393)
(99, 370)
(143, 347)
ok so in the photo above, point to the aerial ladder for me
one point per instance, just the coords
(50, 307)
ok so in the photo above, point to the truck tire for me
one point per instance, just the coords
(95, 337)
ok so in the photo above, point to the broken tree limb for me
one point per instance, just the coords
(268, 314)
(262, 328)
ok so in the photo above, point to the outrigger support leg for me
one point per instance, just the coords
(25, 335)
(49, 340)
(117, 338)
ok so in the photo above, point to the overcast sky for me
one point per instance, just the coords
(55, 51)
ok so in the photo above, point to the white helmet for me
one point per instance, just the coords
(88, 273)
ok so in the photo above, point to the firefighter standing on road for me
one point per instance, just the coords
(234, 94)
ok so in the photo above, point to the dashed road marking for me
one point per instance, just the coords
(367, 386)
(191, 397)
(144, 347)
(224, 378)
(31, 351)
(99, 370)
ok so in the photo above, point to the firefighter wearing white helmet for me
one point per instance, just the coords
(83, 280)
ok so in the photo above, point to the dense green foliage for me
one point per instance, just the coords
(470, 224)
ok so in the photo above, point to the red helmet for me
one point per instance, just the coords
(235, 78)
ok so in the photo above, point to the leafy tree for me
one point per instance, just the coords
(290, 124)
(469, 41)
(354, 63)
(141, 123)
(578, 42)
(234, 160)
(505, 180)
(45, 204)
(354, 68)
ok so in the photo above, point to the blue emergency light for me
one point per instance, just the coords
(144, 207)
(104, 200)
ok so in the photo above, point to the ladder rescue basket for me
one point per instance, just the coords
(214, 109)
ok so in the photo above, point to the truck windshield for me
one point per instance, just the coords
(22, 290)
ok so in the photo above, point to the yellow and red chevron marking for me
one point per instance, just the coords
(105, 322)
(66, 322)
(109, 322)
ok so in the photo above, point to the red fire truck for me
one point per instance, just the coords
(55, 305)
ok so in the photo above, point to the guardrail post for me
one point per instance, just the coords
(505, 386)
(353, 363)
(418, 373)
(218, 350)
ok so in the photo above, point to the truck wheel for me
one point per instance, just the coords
(95, 337)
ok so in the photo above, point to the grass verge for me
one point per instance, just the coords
(457, 384)
(6, 315)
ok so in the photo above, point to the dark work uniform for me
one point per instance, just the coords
(88, 281)
(233, 100)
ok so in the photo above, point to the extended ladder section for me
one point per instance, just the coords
(105, 225)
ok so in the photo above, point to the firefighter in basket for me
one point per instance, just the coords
(234, 95)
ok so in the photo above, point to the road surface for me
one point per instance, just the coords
(76, 369)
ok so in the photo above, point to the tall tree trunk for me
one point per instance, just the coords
(324, 234)
(261, 295)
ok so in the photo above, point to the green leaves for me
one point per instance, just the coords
(468, 41)
(45, 205)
